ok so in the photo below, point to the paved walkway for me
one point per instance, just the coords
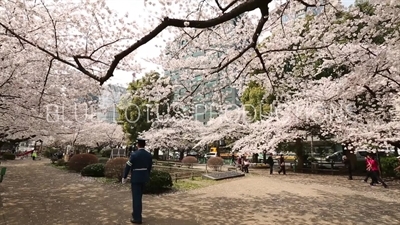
(33, 193)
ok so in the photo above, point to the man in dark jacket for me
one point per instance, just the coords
(270, 162)
(139, 164)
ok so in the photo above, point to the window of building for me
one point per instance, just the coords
(198, 78)
(198, 53)
(208, 95)
(285, 18)
(211, 84)
(300, 14)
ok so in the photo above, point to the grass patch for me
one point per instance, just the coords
(58, 167)
(105, 180)
(191, 184)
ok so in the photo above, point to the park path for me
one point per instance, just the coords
(37, 194)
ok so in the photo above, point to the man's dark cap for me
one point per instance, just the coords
(141, 141)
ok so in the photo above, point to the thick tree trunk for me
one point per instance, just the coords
(181, 154)
(299, 155)
(156, 153)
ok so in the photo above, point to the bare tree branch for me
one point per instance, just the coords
(306, 4)
(8, 78)
(54, 24)
(224, 9)
(235, 7)
(19, 37)
(200, 24)
(45, 82)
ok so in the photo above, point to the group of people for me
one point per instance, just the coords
(372, 168)
(140, 165)
(281, 161)
(243, 163)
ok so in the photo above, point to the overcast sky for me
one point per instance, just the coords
(138, 11)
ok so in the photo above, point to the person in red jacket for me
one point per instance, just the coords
(368, 168)
(375, 172)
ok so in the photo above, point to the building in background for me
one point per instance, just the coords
(108, 101)
(300, 12)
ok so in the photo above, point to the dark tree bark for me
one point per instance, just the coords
(299, 154)
(156, 153)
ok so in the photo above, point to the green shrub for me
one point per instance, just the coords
(103, 160)
(388, 164)
(61, 162)
(80, 161)
(160, 181)
(115, 167)
(215, 162)
(48, 153)
(8, 156)
(106, 153)
(93, 170)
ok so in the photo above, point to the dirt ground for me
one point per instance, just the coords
(38, 194)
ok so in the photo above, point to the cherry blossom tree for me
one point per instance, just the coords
(351, 90)
(91, 134)
(40, 43)
(87, 36)
(231, 125)
(345, 57)
(173, 133)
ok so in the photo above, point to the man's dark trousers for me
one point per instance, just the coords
(137, 193)
(350, 170)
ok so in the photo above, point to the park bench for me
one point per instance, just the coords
(2, 173)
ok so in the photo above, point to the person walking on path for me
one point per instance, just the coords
(270, 162)
(375, 173)
(282, 165)
(368, 169)
(139, 164)
(34, 155)
(233, 158)
(347, 163)
(246, 165)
